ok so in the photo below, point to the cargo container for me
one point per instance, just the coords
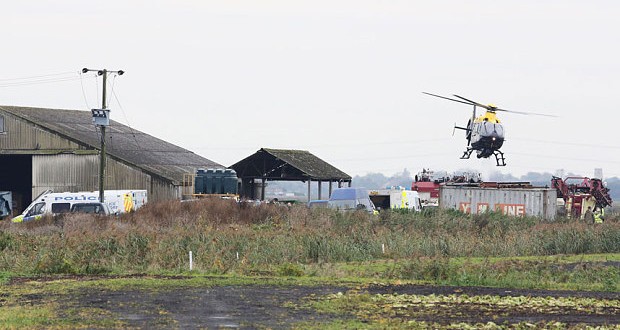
(523, 200)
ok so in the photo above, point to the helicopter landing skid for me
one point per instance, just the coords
(467, 153)
(499, 158)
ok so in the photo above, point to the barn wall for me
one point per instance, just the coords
(70, 172)
(64, 172)
(21, 135)
(74, 172)
(163, 190)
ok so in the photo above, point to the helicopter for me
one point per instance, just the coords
(485, 133)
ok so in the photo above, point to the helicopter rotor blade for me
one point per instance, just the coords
(474, 102)
(490, 108)
(505, 110)
(525, 113)
(447, 98)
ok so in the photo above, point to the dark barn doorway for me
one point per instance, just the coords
(16, 177)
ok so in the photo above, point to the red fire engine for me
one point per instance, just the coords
(580, 192)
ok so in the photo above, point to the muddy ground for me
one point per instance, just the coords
(270, 306)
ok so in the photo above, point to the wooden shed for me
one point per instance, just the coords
(285, 165)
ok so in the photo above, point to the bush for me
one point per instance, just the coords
(159, 236)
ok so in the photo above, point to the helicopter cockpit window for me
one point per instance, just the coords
(486, 128)
(499, 129)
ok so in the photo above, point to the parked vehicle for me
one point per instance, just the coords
(6, 204)
(576, 194)
(395, 198)
(91, 208)
(350, 199)
(118, 201)
(318, 203)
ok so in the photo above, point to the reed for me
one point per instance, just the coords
(226, 237)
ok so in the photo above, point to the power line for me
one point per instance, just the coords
(566, 158)
(339, 145)
(568, 143)
(396, 157)
(133, 134)
(38, 82)
(39, 76)
(83, 91)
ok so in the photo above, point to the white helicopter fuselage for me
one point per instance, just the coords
(487, 134)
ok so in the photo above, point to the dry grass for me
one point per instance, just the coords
(273, 238)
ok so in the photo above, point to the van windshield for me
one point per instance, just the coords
(352, 204)
(36, 209)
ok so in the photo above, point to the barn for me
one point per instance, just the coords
(43, 149)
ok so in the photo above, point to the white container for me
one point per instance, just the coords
(538, 202)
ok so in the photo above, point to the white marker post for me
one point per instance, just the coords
(191, 261)
(383, 248)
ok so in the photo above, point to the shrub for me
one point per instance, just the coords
(159, 236)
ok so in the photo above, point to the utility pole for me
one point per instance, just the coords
(101, 118)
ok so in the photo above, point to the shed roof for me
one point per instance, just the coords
(122, 142)
(287, 165)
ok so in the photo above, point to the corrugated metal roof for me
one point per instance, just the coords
(122, 142)
(271, 164)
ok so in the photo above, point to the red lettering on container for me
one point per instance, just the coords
(465, 207)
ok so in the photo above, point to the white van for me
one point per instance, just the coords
(118, 201)
(395, 198)
(350, 199)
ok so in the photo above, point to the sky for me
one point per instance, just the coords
(341, 79)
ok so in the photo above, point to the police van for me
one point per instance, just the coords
(118, 201)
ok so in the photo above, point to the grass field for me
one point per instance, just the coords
(277, 245)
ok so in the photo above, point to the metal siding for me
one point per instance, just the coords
(21, 135)
(531, 201)
(69, 172)
(64, 172)
(163, 190)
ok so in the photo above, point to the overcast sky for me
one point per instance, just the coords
(341, 79)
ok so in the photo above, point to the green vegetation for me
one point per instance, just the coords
(590, 273)
(56, 304)
(269, 240)
(235, 245)
(403, 311)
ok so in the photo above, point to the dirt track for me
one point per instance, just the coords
(262, 306)
(218, 307)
